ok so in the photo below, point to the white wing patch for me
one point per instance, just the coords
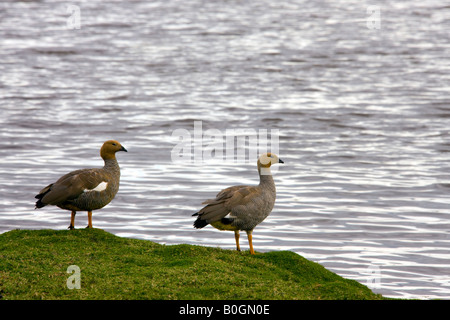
(100, 187)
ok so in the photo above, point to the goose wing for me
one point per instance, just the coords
(70, 186)
(225, 201)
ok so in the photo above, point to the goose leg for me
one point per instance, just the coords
(250, 241)
(89, 219)
(72, 220)
(236, 237)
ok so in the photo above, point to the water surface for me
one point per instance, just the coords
(363, 116)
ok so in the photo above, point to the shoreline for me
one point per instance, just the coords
(34, 265)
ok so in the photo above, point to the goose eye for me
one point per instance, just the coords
(114, 144)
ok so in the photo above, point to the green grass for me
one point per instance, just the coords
(33, 265)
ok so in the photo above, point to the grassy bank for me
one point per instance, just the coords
(33, 265)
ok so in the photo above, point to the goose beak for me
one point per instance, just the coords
(123, 149)
(280, 161)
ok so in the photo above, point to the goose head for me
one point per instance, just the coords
(266, 160)
(109, 149)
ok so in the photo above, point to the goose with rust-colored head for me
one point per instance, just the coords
(85, 189)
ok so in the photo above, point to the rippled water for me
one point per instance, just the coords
(363, 116)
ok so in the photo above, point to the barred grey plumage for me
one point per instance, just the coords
(85, 189)
(242, 207)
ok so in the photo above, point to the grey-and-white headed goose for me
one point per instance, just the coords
(242, 207)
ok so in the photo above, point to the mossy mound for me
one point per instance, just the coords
(34, 263)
